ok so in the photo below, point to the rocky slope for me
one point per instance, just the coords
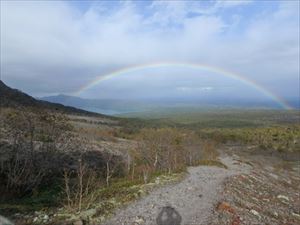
(269, 194)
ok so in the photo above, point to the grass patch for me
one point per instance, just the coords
(286, 165)
(121, 189)
(47, 197)
(208, 162)
(124, 190)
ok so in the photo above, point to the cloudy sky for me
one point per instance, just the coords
(59, 46)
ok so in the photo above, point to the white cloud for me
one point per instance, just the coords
(231, 3)
(57, 44)
(195, 89)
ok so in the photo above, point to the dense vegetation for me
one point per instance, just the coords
(41, 150)
(217, 117)
(81, 162)
(280, 138)
(274, 130)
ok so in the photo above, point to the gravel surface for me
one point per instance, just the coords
(194, 198)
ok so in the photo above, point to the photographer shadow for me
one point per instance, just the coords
(168, 216)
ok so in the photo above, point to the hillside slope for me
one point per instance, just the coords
(10, 97)
(106, 106)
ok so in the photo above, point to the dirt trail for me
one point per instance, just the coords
(194, 198)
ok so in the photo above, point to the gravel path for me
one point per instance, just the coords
(193, 198)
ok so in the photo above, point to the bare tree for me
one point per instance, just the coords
(112, 163)
(80, 186)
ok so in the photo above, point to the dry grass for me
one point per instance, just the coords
(207, 162)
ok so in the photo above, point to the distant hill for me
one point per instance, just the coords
(122, 107)
(10, 97)
(105, 106)
(72, 104)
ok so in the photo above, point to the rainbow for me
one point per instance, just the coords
(235, 76)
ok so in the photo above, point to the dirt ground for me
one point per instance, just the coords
(193, 199)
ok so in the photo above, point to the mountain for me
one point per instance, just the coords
(105, 106)
(72, 104)
(10, 97)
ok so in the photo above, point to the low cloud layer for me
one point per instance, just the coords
(57, 47)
